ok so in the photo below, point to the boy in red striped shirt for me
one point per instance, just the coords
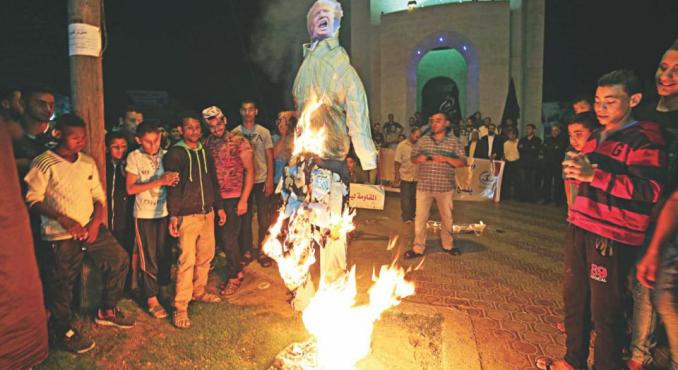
(620, 170)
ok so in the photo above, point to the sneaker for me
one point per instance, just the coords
(117, 319)
(73, 342)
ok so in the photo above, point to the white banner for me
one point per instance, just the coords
(84, 39)
(366, 196)
(480, 181)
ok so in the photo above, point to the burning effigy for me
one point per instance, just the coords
(315, 213)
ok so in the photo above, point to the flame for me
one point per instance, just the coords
(309, 139)
(342, 330)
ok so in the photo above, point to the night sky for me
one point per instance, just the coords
(201, 51)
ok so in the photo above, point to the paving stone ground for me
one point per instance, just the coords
(507, 282)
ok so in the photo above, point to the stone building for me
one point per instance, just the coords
(410, 58)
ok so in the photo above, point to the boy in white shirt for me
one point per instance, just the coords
(65, 189)
(146, 179)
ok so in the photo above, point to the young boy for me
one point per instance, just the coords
(146, 179)
(579, 129)
(119, 201)
(64, 188)
(620, 175)
(191, 205)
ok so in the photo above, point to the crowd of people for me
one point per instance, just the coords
(182, 190)
(616, 171)
(196, 186)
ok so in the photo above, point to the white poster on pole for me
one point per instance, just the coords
(480, 181)
(84, 39)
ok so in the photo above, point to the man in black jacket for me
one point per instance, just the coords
(529, 147)
(491, 146)
(554, 152)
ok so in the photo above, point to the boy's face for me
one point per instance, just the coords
(512, 135)
(190, 130)
(667, 74)
(248, 111)
(150, 142)
(579, 134)
(132, 119)
(117, 148)
(73, 139)
(613, 104)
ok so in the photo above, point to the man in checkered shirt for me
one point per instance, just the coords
(437, 155)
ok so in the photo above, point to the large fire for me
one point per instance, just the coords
(342, 331)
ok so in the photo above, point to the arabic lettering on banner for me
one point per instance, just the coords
(366, 196)
(480, 181)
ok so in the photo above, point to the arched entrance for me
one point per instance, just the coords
(444, 54)
(441, 94)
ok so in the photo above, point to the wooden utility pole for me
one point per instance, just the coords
(87, 86)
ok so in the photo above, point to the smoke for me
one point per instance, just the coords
(278, 38)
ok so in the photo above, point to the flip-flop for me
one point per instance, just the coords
(230, 288)
(181, 320)
(158, 311)
(207, 298)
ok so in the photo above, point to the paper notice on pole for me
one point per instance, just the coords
(84, 39)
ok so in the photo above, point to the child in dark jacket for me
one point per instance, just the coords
(192, 204)
(118, 201)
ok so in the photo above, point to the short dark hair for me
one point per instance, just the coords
(531, 125)
(69, 120)
(131, 108)
(36, 89)
(623, 77)
(113, 135)
(586, 119)
(6, 92)
(146, 127)
(582, 97)
(187, 114)
(447, 118)
(249, 101)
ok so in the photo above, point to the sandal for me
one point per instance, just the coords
(246, 258)
(412, 254)
(157, 311)
(207, 298)
(181, 319)
(230, 288)
(547, 363)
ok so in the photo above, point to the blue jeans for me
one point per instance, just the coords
(643, 338)
(666, 298)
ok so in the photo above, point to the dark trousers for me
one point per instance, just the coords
(595, 293)
(228, 236)
(408, 199)
(529, 183)
(155, 254)
(510, 179)
(263, 220)
(553, 183)
(62, 265)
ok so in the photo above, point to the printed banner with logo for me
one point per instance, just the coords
(480, 181)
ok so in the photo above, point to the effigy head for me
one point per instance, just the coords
(324, 19)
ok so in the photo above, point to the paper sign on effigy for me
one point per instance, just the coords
(366, 196)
